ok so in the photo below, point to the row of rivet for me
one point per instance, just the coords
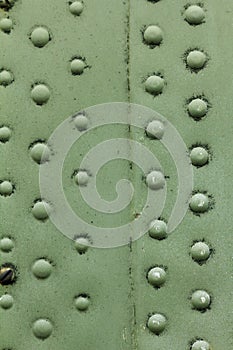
(197, 108)
(195, 60)
(40, 36)
(200, 202)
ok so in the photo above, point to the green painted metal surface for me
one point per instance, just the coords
(64, 295)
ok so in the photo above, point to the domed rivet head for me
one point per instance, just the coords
(197, 108)
(200, 251)
(196, 59)
(200, 345)
(200, 300)
(81, 122)
(154, 84)
(76, 8)
(155, 129)
(7, 275)
(199, 203)
(6, 188)
(41, 210)
(5, 134)
(156, 276)
(81, 178)
(82, 302)
(6, 244)
(6, 25)
(42, 268)
(42, 328)
(77, 66)
(40, 37)
(157, 323)
(155, 180)
(40, 152)
(6, 301)
(158, 229)
(194, 14)
(40, 94)
(153, 35)
(199, 156)
(6, 77)
(81, 244)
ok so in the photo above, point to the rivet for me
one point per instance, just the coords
(154, 84)
(194, 14)
(6, 25)
(153, 35)
(40, 94)
(6, 301)
(196, 59)
(199, 156)
(81, 178)
(157, 323)
(197, 108)
(6, 244)
(156, 276)
(76, 8)
(5, 134)
(200, 251)
(40, 37)
(42, 268)
(41, 210)
(200, 300)
(77, 66)
(155, 180)
(82, 302)
(42, 328)
(6, 188)
(81, 122)
(81, 244)
(158, 229)
(6, 77)
(155, 129)
(199, 203)
(40, 152)
(200, 345)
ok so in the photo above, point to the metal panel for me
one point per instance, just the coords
(59, 58)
